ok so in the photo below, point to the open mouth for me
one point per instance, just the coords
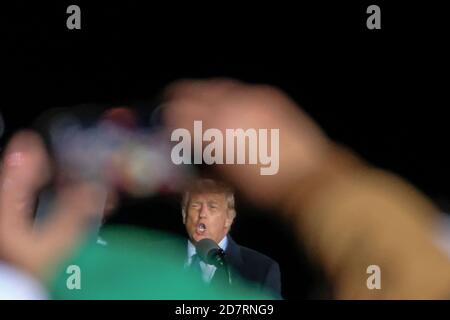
(201, 228)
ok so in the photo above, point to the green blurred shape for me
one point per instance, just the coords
(139, 264)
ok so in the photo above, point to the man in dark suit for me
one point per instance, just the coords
(208, 212)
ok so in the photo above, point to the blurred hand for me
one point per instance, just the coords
(25, 169)
(356, 216)
(228, 104)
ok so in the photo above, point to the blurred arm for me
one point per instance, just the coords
(351, 216)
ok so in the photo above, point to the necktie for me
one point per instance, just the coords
(195, 265)
(221, 276)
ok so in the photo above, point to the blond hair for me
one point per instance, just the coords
(209, 186)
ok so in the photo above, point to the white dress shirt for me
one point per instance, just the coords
(208, 270)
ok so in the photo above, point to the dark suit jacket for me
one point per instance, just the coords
(262, 272)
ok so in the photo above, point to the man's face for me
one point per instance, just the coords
(207, 217)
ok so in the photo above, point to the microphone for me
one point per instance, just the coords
(210, 252)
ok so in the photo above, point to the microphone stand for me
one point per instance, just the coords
(227, 269)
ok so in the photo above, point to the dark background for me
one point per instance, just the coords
(381, 92)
